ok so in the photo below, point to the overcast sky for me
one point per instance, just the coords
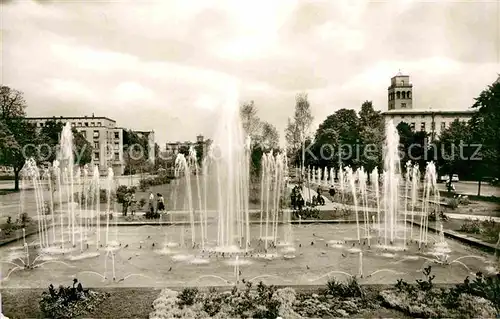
(166, 65)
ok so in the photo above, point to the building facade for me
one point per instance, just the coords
(172, 148)
(432, 121)
(101, 132)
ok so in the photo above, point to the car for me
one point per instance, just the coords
(454, 178)
(443, 178)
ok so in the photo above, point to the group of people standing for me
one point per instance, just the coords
(160, 203)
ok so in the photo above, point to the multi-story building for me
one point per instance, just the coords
(173, 148)
(433, 121)
(101, 132)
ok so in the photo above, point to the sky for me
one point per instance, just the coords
(168, 66)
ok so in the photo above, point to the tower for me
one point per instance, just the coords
(400, 93)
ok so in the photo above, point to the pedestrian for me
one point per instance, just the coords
(161, 203)
(151, 203)
(300, 201)
(332, 191)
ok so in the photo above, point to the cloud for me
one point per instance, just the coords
(170, 66)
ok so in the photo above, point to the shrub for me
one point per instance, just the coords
(452, 203)
(471, 226)
(151, 215)
(187, 297)
(69, 302)
(141, 203)
(489, 229)
(147, 182)
(440, 217)
(344, 290)
(308, 213)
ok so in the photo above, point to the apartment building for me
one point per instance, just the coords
(102, 133)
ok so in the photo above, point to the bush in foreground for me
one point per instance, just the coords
(468, 300)
(262, 301)
(69, 302)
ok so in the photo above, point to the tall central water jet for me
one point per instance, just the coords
(66, 158)
(392, 177)
(230, 154)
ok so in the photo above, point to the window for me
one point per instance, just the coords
(443, 126)
(117, 156)
(79, 123)
(92, 123)
(96, 156)
(117, 135)
(41, 124)
(408, 95)
(86, 123)
(96, 134)
(403, 95)
(402, 116)
(412, 126)
(99, 124)
(117, 146)
(96, 145)
(422, 127)
(403, 105)
(398, 95)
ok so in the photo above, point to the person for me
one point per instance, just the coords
(293, 198)
(332, 191)
(300, 201)
(161, 203)
(151, 203)
(319, 199)
(133, 205)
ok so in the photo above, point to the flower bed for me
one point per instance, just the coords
(69, 302)
(477, 299)
(261, 302)
(487, 230)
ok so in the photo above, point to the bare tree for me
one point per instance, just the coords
(298, 128)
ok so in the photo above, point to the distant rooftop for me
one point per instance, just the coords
(430, 111)
(70, 118)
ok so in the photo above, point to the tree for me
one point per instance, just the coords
(371, 125)
(264, 136)
(485, 129)
(298, 128)
(135, 150)
(413, 146)
(453, 149)
(125, 196)
(249, 119)
(12, 103)
(17, 137)
(50, 135)
(269, 136)
(336, 138)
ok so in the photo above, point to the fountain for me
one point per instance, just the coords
(224, 233)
